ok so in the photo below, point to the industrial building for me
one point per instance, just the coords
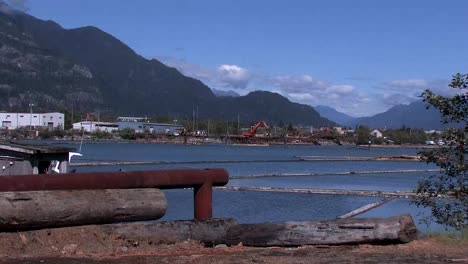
(156, 128)
(139, 127)
(34, 120)
(132, 119)
(92, 126)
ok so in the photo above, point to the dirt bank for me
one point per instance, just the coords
(71, 247)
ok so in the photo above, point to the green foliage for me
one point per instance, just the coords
(449, 237)
(128, 134)
(102, 135)
(406, 136)
(56, 133)
(446, 193)
(362, 135)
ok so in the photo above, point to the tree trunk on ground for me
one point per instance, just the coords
(228, 231)
(399, 229)
(41, 209)
(207, 232)
(344, 231)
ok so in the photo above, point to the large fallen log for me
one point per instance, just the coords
(223, 231)
(207, 232)
(41, 209)
(400, 229)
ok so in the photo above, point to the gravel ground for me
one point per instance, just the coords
(427, 250)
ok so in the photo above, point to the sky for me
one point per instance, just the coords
(361, 57)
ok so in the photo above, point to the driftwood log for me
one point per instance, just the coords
(207, 232)
(42, 209)
(228, 231)
(400, 229)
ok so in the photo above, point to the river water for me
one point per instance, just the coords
(252, 207)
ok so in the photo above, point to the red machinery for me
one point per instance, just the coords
(253, 130)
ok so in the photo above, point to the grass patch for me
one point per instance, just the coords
(449, 236)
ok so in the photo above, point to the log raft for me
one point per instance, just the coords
(42, 209)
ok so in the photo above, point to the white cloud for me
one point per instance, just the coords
(311, 90)
(297, 84)
(233, 76)
(406, 91)
(223, 77)
(341, 89)
(410, 83)
(392, 99)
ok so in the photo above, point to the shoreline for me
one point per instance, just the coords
(206, 142)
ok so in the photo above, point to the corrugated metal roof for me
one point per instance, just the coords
(33, 148)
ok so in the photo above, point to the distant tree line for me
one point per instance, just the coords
(400, 136)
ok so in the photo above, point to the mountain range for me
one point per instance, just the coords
(414, 115)
(56, 68)
(222, 93)
(334, 115)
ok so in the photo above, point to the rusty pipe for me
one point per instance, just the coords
(201, 180)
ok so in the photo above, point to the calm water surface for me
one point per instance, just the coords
(250, 207)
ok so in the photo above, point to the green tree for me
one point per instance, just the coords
(446, 193)
(362, 135)
(128, 134)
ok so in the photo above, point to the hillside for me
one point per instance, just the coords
(270, 106)
(414, 115)
(221, 93)
(53, 67)
(334, 115)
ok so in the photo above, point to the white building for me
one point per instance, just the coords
(339, 130)
(132, 119)
(92, 126)
(376, 133)
(35, 120)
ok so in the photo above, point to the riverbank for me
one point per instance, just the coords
(110, 250)
(199, 140)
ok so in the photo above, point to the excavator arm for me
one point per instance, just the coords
(253, 130)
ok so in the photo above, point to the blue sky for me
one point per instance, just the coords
(361, 56)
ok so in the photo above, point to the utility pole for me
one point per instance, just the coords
(72, 117)
(193, 120)
(208, 133)
(197, 117)
(72, 132)
(238, 127)
(31, 113)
